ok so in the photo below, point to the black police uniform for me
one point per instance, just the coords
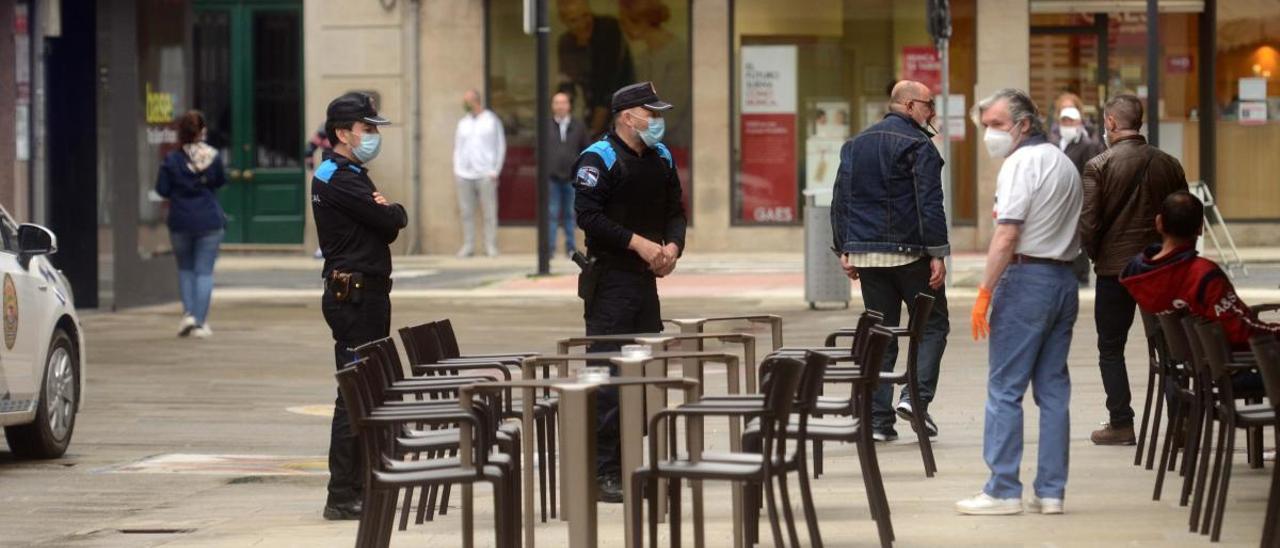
(354, 233)
(620, 193)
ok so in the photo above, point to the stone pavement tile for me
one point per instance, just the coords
(151, 394)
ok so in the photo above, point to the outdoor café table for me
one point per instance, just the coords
(578, 448)
(661, 342)
(696, 325)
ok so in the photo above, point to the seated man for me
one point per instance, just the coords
(1173, 274)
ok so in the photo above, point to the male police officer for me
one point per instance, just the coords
(355, 223)
(629, 206)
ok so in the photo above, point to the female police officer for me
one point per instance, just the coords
(629, 205)
(355, 224)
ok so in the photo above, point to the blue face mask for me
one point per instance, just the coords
(653, 135)
(370, 144)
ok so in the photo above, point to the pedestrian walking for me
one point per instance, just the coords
(1033, 308)
(629, 206)
(890, 232)
(568, 139)
(1072, 136)
(189, 178)
(355, 224)
(479, 150)
(1123, 190)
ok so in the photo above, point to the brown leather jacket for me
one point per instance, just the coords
(1123, 190)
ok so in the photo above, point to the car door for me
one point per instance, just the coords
(20, 311)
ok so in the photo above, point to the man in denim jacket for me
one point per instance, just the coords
(891, 233)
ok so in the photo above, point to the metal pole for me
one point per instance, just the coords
(1208, 111)
(944, 52)
(544, 126)
(1153, 72)
(415, 122)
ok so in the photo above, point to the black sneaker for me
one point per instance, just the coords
(343, 510)
(905, 411)
(609, 489)
(885, 434)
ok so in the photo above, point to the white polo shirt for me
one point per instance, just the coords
(1039, 188)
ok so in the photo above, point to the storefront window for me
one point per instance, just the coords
(1247, 85)
(597, 46)
(810, 74)
(162, 77)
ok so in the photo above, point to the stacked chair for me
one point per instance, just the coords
(1193, 365)
(1267, 350)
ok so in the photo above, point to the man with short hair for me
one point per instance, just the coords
(1172, 275)
(568, 138)
(1033, 308)
(890, 232)
(479, 150)
(1123, 189)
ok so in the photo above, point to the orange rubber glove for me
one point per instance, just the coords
(979, 316)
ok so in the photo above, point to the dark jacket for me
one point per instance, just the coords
(564, 153)
(354, 230)
(1183, 279)
(888, 192)
(1123, 190)
(1083, 150)
(620, 193)
(193, 202)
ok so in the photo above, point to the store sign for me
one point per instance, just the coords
(768, 181)
(1178, 64)
(1253, 113)
(921, 63)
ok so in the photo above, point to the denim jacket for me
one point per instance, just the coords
(888, 192)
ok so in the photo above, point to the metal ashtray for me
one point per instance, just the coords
(593, 375)
(636, 351)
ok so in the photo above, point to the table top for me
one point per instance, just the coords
(562, 382)
(608, 356)
(655, 336)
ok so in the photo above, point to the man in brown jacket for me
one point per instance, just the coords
(1123, 190)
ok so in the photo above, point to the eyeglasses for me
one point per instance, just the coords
(930, 103)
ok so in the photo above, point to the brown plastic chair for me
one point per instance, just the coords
(1157, 364)
(1180, 380)
(1231, 415)
(386, 474)
(780, 388)
(1267, 350)
(921, 309)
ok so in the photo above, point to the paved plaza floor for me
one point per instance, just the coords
(221, 442)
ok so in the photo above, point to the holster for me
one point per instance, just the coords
(589, 278)
(347, 286)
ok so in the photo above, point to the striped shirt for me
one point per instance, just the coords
(880, 260)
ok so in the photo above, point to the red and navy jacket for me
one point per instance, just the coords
(1183, 279)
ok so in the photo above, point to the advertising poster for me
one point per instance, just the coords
(828, 130)
(768, 183)
(921, 63)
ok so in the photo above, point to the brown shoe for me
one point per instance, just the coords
(1110, 435)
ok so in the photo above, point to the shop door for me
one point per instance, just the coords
(248, 83)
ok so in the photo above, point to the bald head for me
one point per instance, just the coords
(912, 99)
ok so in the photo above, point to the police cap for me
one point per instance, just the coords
(354, 107)
(641, 94)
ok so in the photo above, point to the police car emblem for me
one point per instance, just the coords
(10, 313)
(588, 176)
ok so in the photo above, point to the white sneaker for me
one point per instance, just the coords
(1044, 505)
(983, 504)
(465, 252)
(492, 252)
(202, 332)
(188, 324)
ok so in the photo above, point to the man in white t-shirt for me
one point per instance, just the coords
(479, 149)
(1033, 308)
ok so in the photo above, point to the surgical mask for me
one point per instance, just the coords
(367, 150)
(999, 142)
(653, 135)
(1069, 133)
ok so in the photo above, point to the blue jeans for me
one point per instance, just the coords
(885, 290)
(196, 252)
(560, 202)
(1033, 311)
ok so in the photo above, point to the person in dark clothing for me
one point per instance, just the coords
(1123, 190)
(189, 178)
(891, 233)
(629, 206)
(355, 224)
(568, 139)
(1074, 139)
(595, 58)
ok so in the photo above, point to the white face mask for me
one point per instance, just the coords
(1069, 133)
(999, 142)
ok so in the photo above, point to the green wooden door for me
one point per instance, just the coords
(248, 82)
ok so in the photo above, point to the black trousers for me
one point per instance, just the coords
(887, 290)
(625, 302)
(352, 325)
(1113, 312)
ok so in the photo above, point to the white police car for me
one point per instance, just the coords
(42, 348)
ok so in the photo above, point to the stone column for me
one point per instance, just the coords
(1003, 44)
